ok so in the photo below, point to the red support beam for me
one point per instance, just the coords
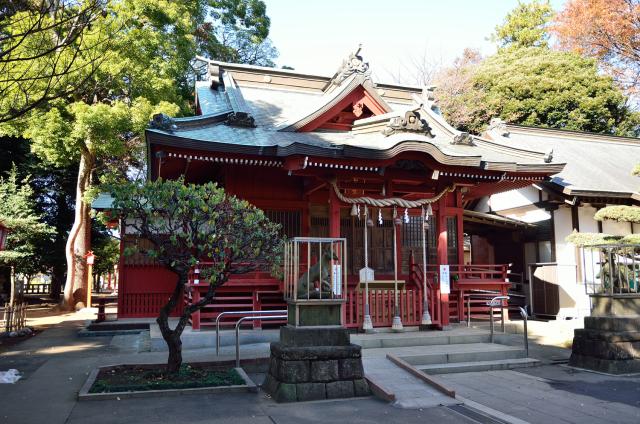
(460, 227)
(442, 256)
(334, 214)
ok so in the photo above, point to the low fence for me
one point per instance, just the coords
(44, 288)
(14, 317)
(382, 307)
(611, 269)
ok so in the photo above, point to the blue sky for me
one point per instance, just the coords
(314, 36)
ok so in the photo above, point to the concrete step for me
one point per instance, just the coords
(631, 324)
(453, 353)
(494, 365)
(390, 340)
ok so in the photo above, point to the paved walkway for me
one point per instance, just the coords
(56, 363)
(553, 394)
(410, 391)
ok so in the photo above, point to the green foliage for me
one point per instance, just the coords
(188, 223)
(29, 234)
(619, 213)
(538, 87)
(50, 50)
(241, 35)
(596, 239)
(105, 248)
(525, 26)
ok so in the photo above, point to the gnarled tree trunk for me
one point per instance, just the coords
(79, 237)
(173, 337)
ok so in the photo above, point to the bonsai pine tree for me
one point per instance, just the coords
(619, 213)
(188, 223)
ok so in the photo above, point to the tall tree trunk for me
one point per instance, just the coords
(78, 242)
(172, 337)
(57, 277)
(12, 298)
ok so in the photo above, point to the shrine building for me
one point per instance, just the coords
(335, 157)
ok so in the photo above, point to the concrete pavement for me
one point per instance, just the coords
(56, 362)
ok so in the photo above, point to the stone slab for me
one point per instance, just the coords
(300, 336)
(314, 352)
(340, 389)
(311, 391)
(609, 366)
(293, 372)
(623, 305)
(324, 371)
(615, 324)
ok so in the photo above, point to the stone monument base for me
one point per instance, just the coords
(608, 344)
(313, 363)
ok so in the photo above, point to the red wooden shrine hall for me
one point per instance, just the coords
(293, 145)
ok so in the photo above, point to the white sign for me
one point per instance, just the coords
(366, 274)
(337, 280)
(445, 283)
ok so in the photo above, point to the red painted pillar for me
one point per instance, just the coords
(121, 264)
(460, 227)
(195, 317)
(442, 258)
(334, 214)
(334, 232)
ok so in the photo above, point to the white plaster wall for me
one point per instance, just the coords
(529, 214)
(586, 221)
(636, 228)
(514, 198)
(616, 228)
(483, 204)
(573, 301)
(529, 258)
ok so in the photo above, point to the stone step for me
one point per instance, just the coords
(456, 353)
(626, 324)
(494, 365)
(387, 340)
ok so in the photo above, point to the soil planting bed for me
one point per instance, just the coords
(151, 380)
(132, 378)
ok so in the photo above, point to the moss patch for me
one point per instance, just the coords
(131, 378)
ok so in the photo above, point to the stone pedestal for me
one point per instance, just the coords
(609, 343)
(312, 363)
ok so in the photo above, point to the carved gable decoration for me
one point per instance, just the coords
(354, 64)
(499, 126)
(240, 119)
(412, 122)
(161, 121)
(464, 139)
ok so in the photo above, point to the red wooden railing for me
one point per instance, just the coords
(382, 307)
(433, 295)
(466, 279)
(259, 291)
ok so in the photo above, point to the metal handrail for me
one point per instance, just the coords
(479, 296)
(492, 304)
(247, 313)
(238, 332)
(524, 315)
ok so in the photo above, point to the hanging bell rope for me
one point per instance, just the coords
(391, 201)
